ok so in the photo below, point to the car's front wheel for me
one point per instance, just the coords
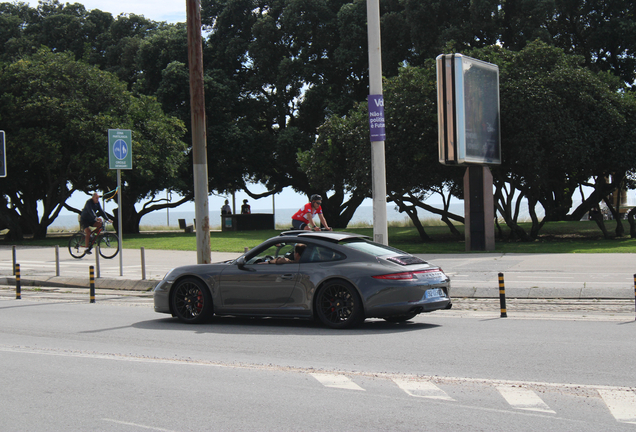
(338, 305)
(191, 301)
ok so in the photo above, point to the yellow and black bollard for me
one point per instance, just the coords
(18, 287)
(92, 275)
(502, 296)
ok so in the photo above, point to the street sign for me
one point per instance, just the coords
(119, 149)
(376, 118)
(3, 156)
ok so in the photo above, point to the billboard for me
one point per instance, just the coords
(468, 111)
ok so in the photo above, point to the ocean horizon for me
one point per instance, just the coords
(170, 218)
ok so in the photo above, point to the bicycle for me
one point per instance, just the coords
(107, 241)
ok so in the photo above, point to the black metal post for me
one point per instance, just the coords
(18, 287)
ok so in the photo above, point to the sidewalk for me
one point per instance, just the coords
(547, 276)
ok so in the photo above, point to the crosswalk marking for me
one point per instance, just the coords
(621, 403)
(523, 398)
(425, 389)
(336, 381)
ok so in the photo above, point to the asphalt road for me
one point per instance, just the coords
(571, 276)
(116, 365)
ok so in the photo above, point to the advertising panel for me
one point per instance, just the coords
(468, 111)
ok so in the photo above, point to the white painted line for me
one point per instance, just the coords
(523, 398)
(621, 403)
(336, 381)
(138, 425)
(425, 389)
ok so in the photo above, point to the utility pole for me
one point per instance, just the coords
(378, 164)
(199, 143)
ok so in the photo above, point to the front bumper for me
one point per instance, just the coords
(161, 297)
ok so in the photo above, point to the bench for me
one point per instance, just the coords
(184, 227)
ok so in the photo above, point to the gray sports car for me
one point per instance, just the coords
(339, 278)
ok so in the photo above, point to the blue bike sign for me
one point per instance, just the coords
(119, 149)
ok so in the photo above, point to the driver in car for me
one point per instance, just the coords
(298, 251)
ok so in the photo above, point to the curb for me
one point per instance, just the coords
(579, 293)
(481, 291)
(66, 282)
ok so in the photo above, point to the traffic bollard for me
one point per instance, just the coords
(92, 278)
(14, 260)
(502, 296)
(57, 260)
(18, 287)
(98, 272)
(143, 263)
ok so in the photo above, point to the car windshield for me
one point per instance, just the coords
(372, 248)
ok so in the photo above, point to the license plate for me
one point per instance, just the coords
(433, 293)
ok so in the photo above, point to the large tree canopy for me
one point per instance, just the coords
(56, 112)
(562, 124)
(275, 70)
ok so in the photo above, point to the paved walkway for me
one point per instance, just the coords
(546, 276)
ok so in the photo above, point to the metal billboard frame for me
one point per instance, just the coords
(468, 111)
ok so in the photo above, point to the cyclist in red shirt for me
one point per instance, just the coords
(303, 219)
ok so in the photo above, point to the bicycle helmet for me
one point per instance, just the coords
(315, 197)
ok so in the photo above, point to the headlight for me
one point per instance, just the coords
(168, 274)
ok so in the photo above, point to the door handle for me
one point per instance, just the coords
(287, 276)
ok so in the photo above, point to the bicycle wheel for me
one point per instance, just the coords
(108, 245)
(76, 245)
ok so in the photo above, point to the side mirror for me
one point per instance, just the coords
(240, 262)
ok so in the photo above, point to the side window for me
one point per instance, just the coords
(274, 251)
(322, 254)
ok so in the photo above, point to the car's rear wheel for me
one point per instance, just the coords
(338, 305)
(399, 318)
(191, 301)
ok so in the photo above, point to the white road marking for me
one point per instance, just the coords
(138, 425)
(425, 389)
(621, 403)
(336, 381)
(523, 398)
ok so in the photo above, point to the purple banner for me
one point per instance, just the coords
(376, 118)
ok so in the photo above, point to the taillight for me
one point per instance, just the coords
(404, 275)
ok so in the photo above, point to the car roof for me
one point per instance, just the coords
(333, 236)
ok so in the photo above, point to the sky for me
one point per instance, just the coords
(171, 11)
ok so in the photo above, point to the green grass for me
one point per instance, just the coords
(556, 237)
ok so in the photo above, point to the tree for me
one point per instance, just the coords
(602, 32)
(340, 159)
(56, 112)
(562, 124)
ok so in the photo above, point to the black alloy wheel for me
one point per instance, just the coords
(191, 301)
(338, 305)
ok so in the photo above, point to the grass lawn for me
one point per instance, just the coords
(555, 237)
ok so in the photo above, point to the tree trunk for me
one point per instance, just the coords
(411, 211)
(597, 216)
(632, 222)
